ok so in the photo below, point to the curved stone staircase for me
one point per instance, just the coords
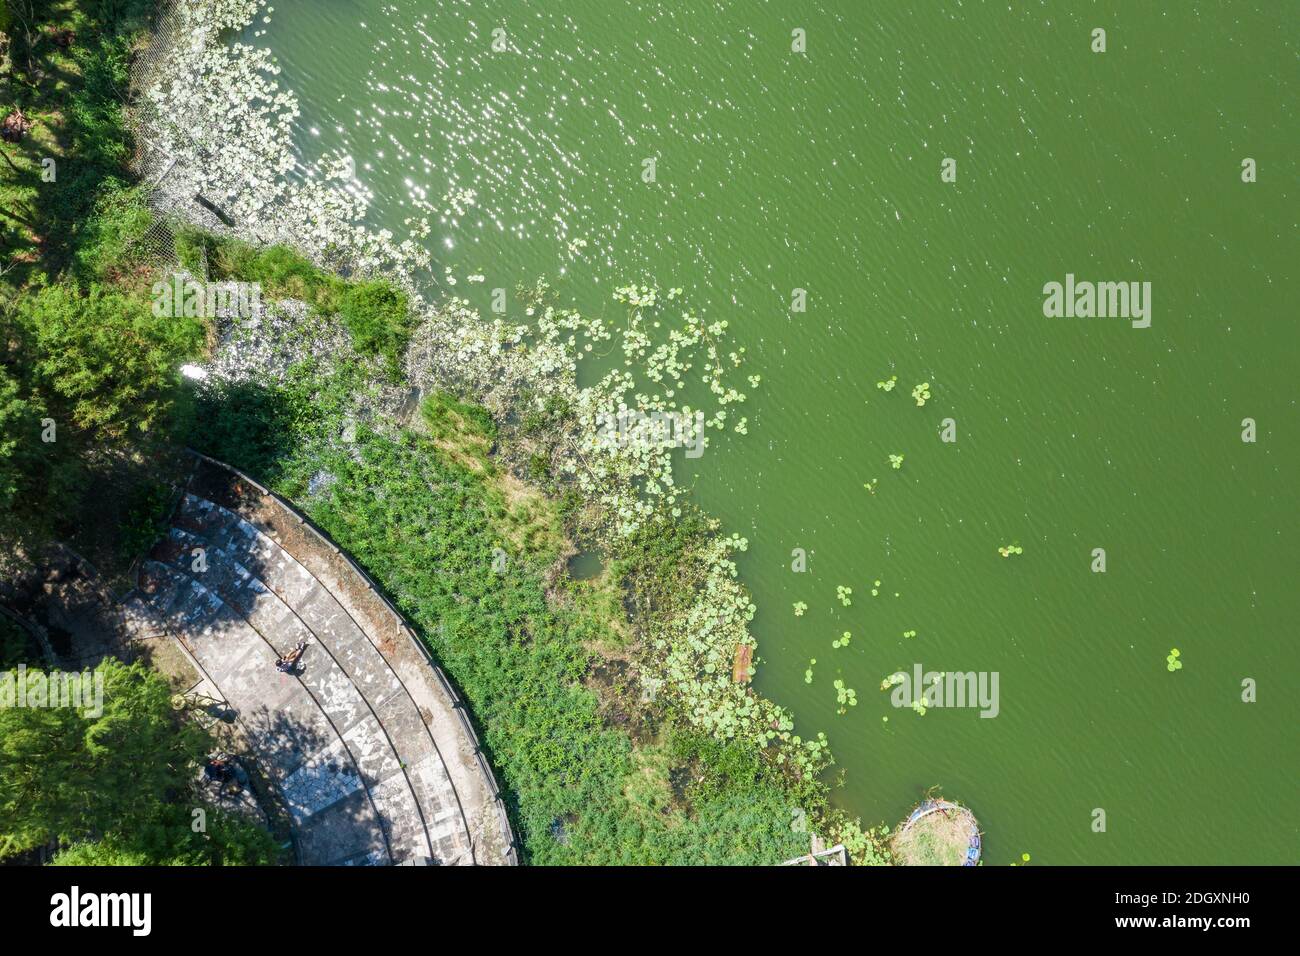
(371, 763)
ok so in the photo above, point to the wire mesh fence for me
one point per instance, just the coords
(149, 161)
(165, 172)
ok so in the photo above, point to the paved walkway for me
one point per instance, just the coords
(364, 743)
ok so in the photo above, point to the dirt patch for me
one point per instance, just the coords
(160, 652)
(14, 127)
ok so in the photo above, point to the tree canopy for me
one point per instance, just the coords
(114, 785)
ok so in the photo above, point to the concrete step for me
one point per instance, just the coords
(310, 599)
(272, 619)
(258, 562)
(365, 734)
(301, 750)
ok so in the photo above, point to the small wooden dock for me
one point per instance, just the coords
(819, 854)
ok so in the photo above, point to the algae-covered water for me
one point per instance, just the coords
(777, 170)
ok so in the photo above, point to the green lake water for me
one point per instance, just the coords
(821, 171)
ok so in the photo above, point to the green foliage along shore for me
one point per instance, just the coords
(88, 398)
(116, 786)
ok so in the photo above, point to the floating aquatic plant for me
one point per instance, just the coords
(642, 296)
(871, 485)
(846, 697)
(1011, 549)
(1172, 662)
(896, 462)
(799, 608)
(909, 633)
(844, 594)
(888, 384)
(893, 680)
(843, 641)
(808, 674)
(921, 393)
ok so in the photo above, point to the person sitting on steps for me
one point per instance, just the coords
(219, 770)
(289, 662)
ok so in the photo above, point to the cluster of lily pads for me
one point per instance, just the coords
(627, 472)
(1011, 549)
(846, 697)
(920, 393)
(918, 703)
(844, 594)
(1172, 662)
(842, 641)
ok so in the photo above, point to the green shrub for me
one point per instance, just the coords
(104, 358)
(169, 840)
(282, 272)
(16, 425)
(191, 250)
(137, 762)
(377, 315)
(448, 417)
(132, 757)
(539, 467)
(110, 247)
